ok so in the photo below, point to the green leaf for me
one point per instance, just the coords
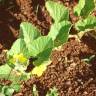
(40, 44)
(58, 11)
(84, 7)
(1, 88)
(60, 32)
(16, 87)
(18, 47)
(88, 23)
(28, 32)
(7, 91)
(41, 48)
(4, 71)
(79, 7)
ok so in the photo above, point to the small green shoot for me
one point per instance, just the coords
(89, 59)
(52, 92)
(34, 91)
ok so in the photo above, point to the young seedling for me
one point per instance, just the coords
(87, 21)
(34, 91)
(59, 30)
(89, 59)
(31, 44)
(52, 92)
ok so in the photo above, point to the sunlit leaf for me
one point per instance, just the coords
(84, 8)
(41, 48)
(18, 47)
(7, 91)
(28, 32)
(58, 11)
(59, 32)
(88, 23)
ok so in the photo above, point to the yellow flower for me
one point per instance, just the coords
(38, 70)
(20, 58)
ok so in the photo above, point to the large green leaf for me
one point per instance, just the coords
(28, 32)
(84, 8)
(41, 48)
(88, 23)
(18, 47)
(59, 32)
(58, 11)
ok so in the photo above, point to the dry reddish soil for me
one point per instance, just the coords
(9, 25)
(68, 72)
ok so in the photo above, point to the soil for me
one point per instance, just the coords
(68, 72)
(9, 26)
